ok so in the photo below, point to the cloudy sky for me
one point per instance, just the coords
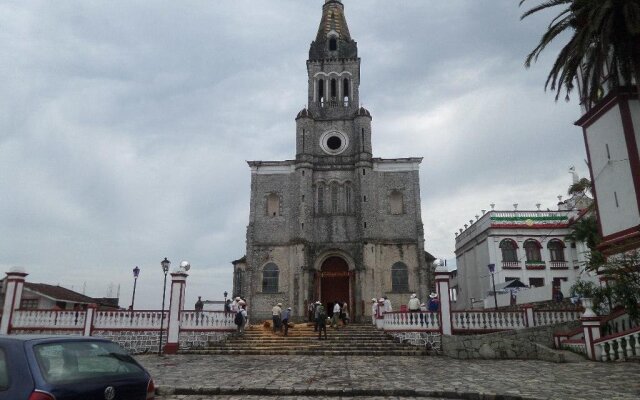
(125, 126)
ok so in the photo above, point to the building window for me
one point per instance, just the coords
(334, 198)
(334, 89)
(333, 44)
(536, 282)
(532, 250)
(510, 278)
(395, 202)
(273, 205)
(399, 277)
(556, 250)
(29, 304)
(347, 198)
(509, 250)
(320, 90)
(270, 278)
(320, 198)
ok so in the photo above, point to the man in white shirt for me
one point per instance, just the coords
(336, 315)
(387, 304)
(374, 309)
(276, 313)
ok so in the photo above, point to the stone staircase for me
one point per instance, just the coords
(353, 339)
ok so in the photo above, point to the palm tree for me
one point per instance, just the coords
(606, 37)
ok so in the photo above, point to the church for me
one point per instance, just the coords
(335, 223)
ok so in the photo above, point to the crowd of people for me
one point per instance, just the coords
(383, 305)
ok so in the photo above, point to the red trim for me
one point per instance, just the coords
(128, 329)
(621, 233)
(617, 335)
(604, 105)
(410, 330)
(12, 308)
(593, 187)
(623, 240)
(171, 348)
(535, 266)
(209, 330)
(573, 341)
(632, 145)
(49, 328)
(534, 226)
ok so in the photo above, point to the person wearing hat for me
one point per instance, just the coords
(434, 304)
(387, 304)
(414, 307)
(285, 320)
(276, 313)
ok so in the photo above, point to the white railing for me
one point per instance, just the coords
(617, 322)
(207, 320)
(551, 317)
(619, 347)
(488, 320)
(129, 319)
(408, 321)
(48, 319)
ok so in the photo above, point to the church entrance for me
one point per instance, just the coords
(335, 284)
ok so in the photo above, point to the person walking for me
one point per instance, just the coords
(336, 315)
(285, 320)
(321, 321)
(241, 319)
(276, 313)
(316, 309)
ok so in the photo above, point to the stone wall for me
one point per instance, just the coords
(135, 342)
(525, 344)
(430, 340)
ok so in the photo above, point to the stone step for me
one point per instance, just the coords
(396, 352)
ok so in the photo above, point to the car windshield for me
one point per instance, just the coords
(68, 362)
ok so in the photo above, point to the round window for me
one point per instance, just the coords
(334, 142)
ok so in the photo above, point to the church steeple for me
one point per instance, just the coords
(333, 39)
(333, 66)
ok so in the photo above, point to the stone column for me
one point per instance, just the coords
(89, 318)
(12, 296)
(442, 286)
(176, 304)
(590, 328)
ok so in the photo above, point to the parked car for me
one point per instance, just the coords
(69, 368)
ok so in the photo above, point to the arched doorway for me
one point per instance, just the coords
(335, 283)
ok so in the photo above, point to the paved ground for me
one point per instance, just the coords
(306, 377)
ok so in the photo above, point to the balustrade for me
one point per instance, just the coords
(411, 321)
(48, 319)
(551, 317)
(128, 319)
(207, 320)
(488, 320)
(618, 347)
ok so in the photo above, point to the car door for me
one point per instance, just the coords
(16, 381)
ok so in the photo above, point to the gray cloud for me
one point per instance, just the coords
(126, 125)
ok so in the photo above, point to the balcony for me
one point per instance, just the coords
(559, 265)
(535, 265)
(511, 265)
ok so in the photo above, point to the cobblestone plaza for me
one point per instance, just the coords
(386, 377)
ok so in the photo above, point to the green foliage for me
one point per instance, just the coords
(586, 230)
(622, 273)
(605, 36)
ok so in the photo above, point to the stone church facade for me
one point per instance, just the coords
(335, 224)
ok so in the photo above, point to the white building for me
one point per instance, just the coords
(525, 245)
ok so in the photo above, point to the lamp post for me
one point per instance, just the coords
(225, 300)
(165, 268)
(492, 268)
(136, 272)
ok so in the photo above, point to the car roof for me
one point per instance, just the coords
(49, 338)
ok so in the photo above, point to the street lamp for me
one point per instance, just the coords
(225, 300)
(165, 268)
(492, 268)
(136, 272)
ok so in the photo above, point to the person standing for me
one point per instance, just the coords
(336, 314)
(316, 309)
(241, 319)
(387, 304)
(374, 311)
(276, 313)
(434, 303)
(199, 307)
(285, 320)
(344, 315)
(321, 321)
(414, 307)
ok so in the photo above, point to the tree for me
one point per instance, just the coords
(622, 274)
(605, 37)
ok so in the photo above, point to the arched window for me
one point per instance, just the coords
(333, 44)
(345, 91)
(334, 89)
(509, 250)
(273, 205)
(334, 198)
(347, 198)
(399, 277)
(395, 202)
(320, 90)
(320, 198)
(532, 250)
(556, 250)
(270, 274)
